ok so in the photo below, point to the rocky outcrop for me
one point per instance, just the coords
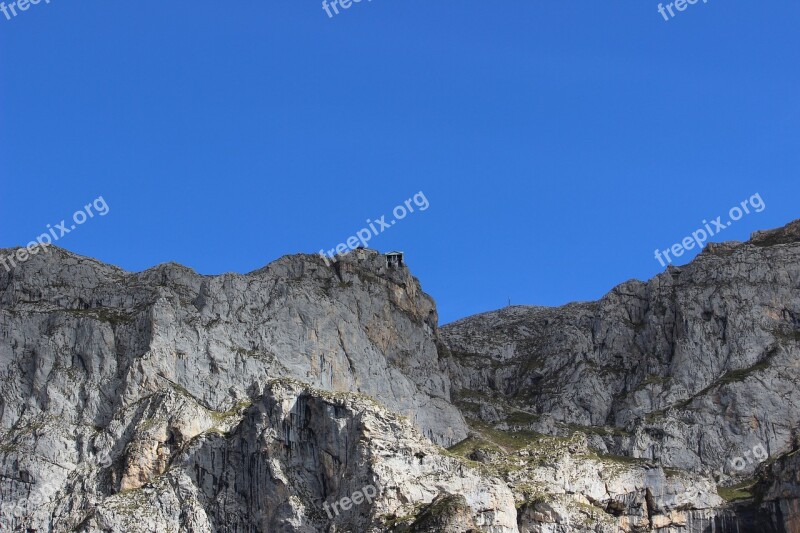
(691, 368)
(776, 502)
(694, 369)
(288, 461)
(316, 396)
(89, 351)
(84, 339)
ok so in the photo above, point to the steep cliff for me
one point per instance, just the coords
(309, 396)
(697, 369)
(90, 351)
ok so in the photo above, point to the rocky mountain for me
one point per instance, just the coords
(697, 369)
(309, 396)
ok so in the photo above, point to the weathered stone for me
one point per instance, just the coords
(694, 369)
(282, 399)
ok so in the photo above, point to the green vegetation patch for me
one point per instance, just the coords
(734, 376)
(511, 441)
(467, 446)
(651, 379)
(521, 418)
(740, 491)
(114, 317)
(235, 411)
(740, 375)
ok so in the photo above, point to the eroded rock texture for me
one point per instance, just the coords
(689, 370)
(309, 396)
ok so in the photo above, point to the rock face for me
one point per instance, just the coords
(693, 367)
(309, 396)
(697, 369)
(89, 349)
(288, 461)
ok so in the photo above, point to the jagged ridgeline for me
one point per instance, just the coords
(320, 396)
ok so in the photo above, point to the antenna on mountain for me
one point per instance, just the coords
(509, 302)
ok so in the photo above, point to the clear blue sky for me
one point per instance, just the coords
(558, 143)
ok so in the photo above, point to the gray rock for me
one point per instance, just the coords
(281, 400)
(694, 369)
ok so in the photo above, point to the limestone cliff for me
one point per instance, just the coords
(690, 370)
(170, 401)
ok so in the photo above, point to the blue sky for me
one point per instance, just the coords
(558, 143)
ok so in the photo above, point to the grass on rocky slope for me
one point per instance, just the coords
(468, 446)
(734, 376)
(740, 491)
(510, 441)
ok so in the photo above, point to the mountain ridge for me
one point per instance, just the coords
(123, 390)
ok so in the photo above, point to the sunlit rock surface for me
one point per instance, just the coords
(274, 401)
